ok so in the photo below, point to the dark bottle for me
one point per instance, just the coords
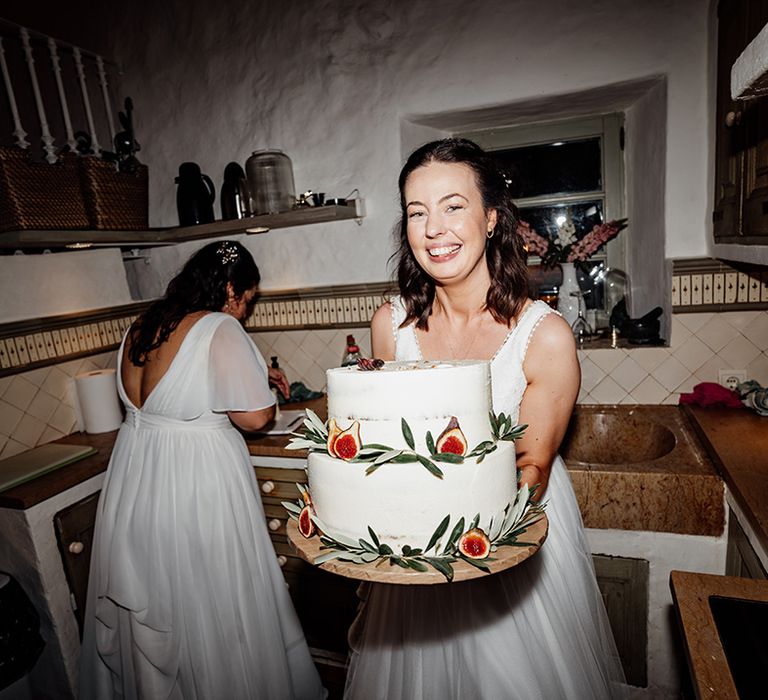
(235, 200)
(194, 196)
(352, 352)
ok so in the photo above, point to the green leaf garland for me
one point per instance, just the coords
(516, 519)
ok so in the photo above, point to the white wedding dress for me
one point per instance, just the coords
(536, 631)
(185, 596)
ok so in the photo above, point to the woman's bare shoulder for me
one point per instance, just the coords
(551, 343)
(382, 334)
(382, 314)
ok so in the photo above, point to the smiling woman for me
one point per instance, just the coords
(463, 294)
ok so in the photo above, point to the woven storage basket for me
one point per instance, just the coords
(40, 196)
(114, 200)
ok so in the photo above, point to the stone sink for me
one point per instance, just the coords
(641, 467)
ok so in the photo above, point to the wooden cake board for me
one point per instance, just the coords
(381, 571)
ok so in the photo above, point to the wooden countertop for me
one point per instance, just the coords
(710, 673)
(48, 485)
(737, 442)
(274, 445)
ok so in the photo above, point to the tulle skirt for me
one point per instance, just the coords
(538, 630)
(186, 599)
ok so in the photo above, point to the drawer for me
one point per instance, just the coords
(277, 474)
(278, 491)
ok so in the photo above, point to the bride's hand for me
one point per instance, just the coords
(278, 379)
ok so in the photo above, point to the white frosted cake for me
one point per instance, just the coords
(403, 503)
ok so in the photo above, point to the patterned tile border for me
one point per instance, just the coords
(704, 284)
(30, 344)
(697, 285)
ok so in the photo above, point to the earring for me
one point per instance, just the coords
(490, 233)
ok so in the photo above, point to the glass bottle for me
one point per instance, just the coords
(616, 288)
(352, 352)
(580, 327)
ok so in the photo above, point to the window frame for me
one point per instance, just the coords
(608, 128)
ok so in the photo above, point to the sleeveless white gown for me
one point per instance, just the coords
(539, 630)
(185, 596)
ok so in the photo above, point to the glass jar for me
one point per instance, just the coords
(270, 182)
(615, 288)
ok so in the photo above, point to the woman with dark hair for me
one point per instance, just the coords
(185, 596)
(538, 630)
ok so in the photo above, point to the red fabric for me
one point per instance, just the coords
(709, 394)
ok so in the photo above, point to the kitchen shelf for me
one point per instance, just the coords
(303, 216)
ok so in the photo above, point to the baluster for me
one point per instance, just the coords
(47, 139)
(18, 131)
(105, 94)
(86, 99)
(56, 63)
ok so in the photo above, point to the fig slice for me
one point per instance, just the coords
(333, 432)
(306, 526)
(347, 444)
(452, 439)
(474, 544)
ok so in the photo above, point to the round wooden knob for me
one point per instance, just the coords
(75, 547)
(268, 486)
(733, 118)
(274, 524)
(282, 560)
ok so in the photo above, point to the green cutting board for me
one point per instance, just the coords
(39, 460)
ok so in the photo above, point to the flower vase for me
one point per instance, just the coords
(567, 302)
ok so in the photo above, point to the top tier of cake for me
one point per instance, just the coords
(425, 394)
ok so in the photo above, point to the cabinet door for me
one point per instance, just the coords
(740, 559)
(755, 208)
(74, 528)
(730, 126)
(623, 583)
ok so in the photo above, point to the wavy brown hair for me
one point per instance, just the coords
(200, 286)
(504, 252)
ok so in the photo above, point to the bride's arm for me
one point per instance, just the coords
(553, 373)
(382, 339)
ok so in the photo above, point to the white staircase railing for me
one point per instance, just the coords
(54, 96)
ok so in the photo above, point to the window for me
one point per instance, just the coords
(566, 175)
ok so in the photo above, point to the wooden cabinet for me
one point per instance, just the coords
(623, 583)
(741, 151)
(74, 528)
(325, 603)
(740, 558)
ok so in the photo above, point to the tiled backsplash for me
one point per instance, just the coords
(701, 344)
(38, 405)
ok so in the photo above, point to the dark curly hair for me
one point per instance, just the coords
(200, 286)
(504, 253)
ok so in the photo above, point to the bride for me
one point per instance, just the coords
(540, 629)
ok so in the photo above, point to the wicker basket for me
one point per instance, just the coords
(114, 200)
(39, 196)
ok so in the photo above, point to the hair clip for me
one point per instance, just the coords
(228, 252)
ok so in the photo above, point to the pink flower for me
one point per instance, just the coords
(595, 239)
(534, 243)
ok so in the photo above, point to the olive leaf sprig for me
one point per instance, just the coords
(439, 553)
(315, 439)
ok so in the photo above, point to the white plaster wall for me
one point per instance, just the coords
(329, 83)
(59, 283)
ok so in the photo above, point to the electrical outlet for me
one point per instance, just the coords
(731, 378)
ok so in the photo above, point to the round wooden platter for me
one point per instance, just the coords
(381, 571)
